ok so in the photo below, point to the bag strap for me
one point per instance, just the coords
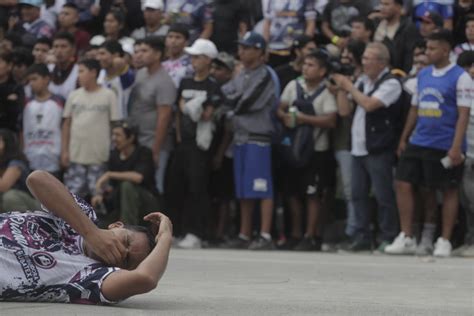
(247, 103)
(300, 93)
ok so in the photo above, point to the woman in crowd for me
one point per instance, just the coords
(114, 29)
(14, 170)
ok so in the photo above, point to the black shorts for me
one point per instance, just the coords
(311, 180)
(422, 166)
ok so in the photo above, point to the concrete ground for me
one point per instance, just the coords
(225, 282)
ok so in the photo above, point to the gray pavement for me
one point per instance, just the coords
(224, 282)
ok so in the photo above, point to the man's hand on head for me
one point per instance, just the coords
(161, 225)
(107, 246)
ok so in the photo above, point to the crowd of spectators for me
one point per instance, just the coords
(249, 122)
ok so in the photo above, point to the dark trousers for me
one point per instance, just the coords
(135, 203)
(374, 171)
(186, 189)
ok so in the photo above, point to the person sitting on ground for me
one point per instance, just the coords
(69, 259)
(14, 170)
(131, 177)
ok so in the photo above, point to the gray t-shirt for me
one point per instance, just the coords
(148, 93)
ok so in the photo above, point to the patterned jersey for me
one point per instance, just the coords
(288, 20)
(194, 13)
(42, 259)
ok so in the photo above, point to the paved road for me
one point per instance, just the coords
(221, 282)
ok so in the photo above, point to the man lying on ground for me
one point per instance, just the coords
(58, 254)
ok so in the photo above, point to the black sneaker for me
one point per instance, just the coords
(290, 244)
(359, 245)
(236, 243)
(261, 243)
(309, 244)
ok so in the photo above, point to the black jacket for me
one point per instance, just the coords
(402, 45)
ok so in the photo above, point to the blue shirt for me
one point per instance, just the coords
(437, 98)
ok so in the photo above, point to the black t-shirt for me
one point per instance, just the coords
(190, 89)
(11, 105)
(286, 73)
(141, 161)
(227, 16)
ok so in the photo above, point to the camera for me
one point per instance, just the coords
(343, 69)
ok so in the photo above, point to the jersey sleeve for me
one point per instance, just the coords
(86, 286)
(85, 207)
(464, 90)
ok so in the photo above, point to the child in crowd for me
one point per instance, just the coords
(87, 117)
(42, 117)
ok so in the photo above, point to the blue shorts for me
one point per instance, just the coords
(253, 171)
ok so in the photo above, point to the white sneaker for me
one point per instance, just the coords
(190, 241)
(442, 248)
(402, 245)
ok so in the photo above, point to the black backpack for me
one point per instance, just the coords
(297, 143)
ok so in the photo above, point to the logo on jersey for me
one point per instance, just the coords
(43, 260)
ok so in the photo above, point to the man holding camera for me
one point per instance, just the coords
(373, 137)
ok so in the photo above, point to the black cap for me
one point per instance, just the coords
(432, 17)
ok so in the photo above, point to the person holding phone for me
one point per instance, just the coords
(435, 129)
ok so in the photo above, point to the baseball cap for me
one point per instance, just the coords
(202, 47)
(253, 39)
(226, 60)
(301, 41)
(153, 4)
(432, 17)
(34, 3)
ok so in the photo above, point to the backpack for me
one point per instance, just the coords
(297, 145)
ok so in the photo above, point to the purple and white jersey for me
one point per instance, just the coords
(42, 259)
(288, 19)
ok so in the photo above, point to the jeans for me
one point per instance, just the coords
(160, 172)
(467, 199)
(344, 160)
(374, 170)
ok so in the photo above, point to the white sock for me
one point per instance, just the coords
(428, 233)
(267, 236)
(242, 236)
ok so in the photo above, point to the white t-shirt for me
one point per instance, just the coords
(325, 103)
(42, 133)
(42, 260)
(178, 68)
(388, 92)
(91, 114)
(69, 85)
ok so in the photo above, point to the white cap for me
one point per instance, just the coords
(153, 4)
(202, 47)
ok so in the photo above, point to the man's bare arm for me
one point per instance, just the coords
(55, 197)
(124, 284)
(162, 123)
